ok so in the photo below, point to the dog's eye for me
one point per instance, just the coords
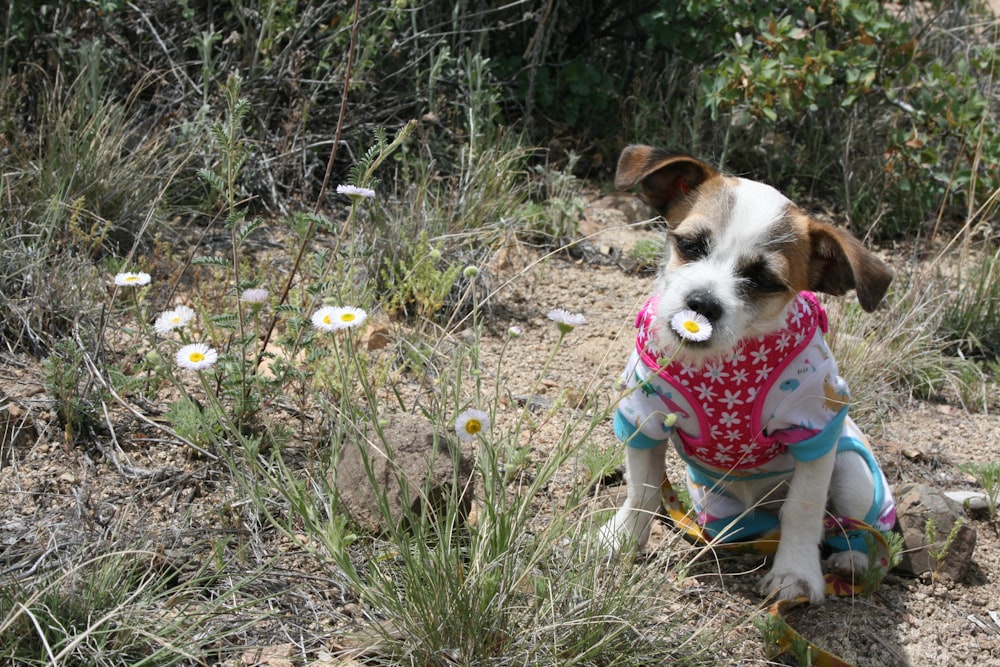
(691, 248)
(759, 278)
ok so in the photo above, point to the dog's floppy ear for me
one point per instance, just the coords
(839, 263)
(666, 177)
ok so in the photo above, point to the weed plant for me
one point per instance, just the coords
(119, 607)
(509, 588)
(88, 189)
(896, 350)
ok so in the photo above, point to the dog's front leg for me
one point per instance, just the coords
(644, 470)
(796, 570)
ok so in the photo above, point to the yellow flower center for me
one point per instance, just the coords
(691, 326)
(347, 317)
(131, 279)
(196, 357)
(473, 426)
(327, 320)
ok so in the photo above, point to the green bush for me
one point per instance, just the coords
(850, 100)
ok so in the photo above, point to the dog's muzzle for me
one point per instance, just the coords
(705, 304)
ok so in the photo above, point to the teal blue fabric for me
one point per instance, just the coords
(631, 436)
(815, 447)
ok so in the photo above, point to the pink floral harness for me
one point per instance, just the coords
(720, 420)
(774, 400)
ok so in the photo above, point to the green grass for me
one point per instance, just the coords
(512, 587)
(110, 606)
(524, 584)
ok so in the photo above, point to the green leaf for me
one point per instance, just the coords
(225, 321)
(215, 183)
(208, 260)
(248, 229)
(288, 309)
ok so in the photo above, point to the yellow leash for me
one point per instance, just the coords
(780, 637)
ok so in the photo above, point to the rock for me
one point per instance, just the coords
(17, 430)
(377, 334)
(973, 500)
(608, 223)
(597, 220)
(916, 504)
(413, 469)
(630, 206)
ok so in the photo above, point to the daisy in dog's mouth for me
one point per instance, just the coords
(691, 326)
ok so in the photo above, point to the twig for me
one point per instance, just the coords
(124, 469)
(307, 237)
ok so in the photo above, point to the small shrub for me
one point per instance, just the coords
(67, 380)
(647, 254)
(419, 281)
(553, 217)
(972, 320)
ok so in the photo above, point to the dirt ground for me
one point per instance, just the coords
(53, 497)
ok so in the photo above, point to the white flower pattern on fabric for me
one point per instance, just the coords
(760, 354)
(731, 399)
(705, 392)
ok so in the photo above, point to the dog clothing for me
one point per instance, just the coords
(752, 413)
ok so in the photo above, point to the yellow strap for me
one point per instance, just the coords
(780, 637)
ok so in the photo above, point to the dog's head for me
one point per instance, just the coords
(738, 251)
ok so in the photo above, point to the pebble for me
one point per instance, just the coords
(974, 500)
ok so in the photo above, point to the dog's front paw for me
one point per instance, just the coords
(616, 537)
(610, 539)
(627, 532)
(848, 565)
(788, 584)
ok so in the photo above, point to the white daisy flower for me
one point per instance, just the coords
(565, 320)
(255, 295)
(128, 279)
(691, 326)
(470, 424)
(196, 357)
(354, 191)
(332, 318)
(169, 320)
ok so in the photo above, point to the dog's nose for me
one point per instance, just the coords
(703, 303)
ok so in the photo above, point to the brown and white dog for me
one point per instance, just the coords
(741, 256)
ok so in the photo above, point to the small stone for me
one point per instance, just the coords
(916, 505)
(376, 338)
(16, 430)
(411, 469)
(973, 500)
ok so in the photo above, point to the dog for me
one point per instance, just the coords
(756, 409)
